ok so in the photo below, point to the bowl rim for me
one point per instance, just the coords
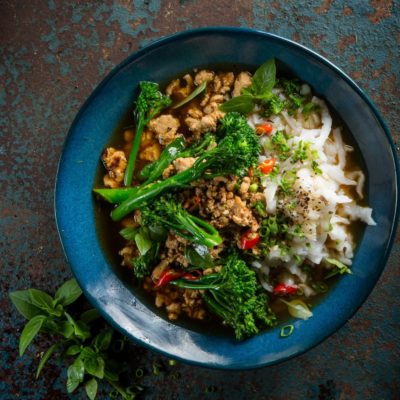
(248, 31)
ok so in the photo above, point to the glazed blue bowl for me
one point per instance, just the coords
(115, 298)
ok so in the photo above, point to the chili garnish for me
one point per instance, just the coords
(267, 166)
(249, 239)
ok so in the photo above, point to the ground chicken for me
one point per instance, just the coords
(150, 153)
(242, 81)
(183, 163)
(115, 162)
(165, 128)
(179, 91)
(203, 76)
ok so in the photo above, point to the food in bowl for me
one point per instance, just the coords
(236, 195)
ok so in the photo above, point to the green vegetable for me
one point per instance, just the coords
(235, 296)
(143, 264)
(176, 149)
(168, 212)
(149, 103)
(199, 256)
(143, 242)
(154, 170)
(298, 309)
(260, 90)
(236, 151)
(286, 331)
(339, 268)
(71, 335)
(192, 95)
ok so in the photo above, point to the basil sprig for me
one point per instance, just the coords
(91, 354)
(260, 90)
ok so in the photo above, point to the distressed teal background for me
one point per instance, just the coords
(53, 53)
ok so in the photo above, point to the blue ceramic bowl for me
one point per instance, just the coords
(91, 130)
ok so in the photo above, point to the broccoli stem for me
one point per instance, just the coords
(117, 195)
(153, 190)
(134, 150)
(154, 170)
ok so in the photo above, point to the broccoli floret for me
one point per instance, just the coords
(142, 265)
(169, 212)
(235, 296)
(174, 150)
(235, 153)
(149, 103)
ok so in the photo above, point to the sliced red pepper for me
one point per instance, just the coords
(281, 289)
(249, 239)
(264, 129)
(170, 275)
(267, 166)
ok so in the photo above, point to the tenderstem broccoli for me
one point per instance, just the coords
(174, 150)
(235, 296)
(168, 212)
(236, 151)
(149, 103)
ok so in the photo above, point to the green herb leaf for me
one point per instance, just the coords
(192, 95)
(29, 332)
(89, 316)
(73, 350)
(129, 233)
(199, 256)
(75, 374)
(340, 268)
(68, 292)
(66, 329)
(102, 341)
(264, 79)
(41, 299)
(241, 104)
(80, 329)
(87, 352)
(95, 366)
(45, 358)
(91, 388)
(23, 303)
(143, 242)
(157, 232)
(110, 375)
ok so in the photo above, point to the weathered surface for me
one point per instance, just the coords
(53, 54)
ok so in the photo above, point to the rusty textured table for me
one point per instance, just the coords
(53, 53)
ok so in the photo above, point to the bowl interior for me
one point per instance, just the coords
(103, 111)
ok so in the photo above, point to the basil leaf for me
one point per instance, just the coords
(89, 316)
(91, 388)
(143, 242)
(87, 353)
(157, 232)
(128, 233)
(23, 303)
(66, 329)
(75, 374)
(192, 95)
(263, 79)
(102, 341)
(81, 330)
(45, 358)
(30, 330)
(73, 350)
(95, 367)
(68, 292)
(242, 104)
(41, 299)
(110, 375)
(199, 256)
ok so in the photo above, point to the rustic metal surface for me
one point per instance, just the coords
(53, 53)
